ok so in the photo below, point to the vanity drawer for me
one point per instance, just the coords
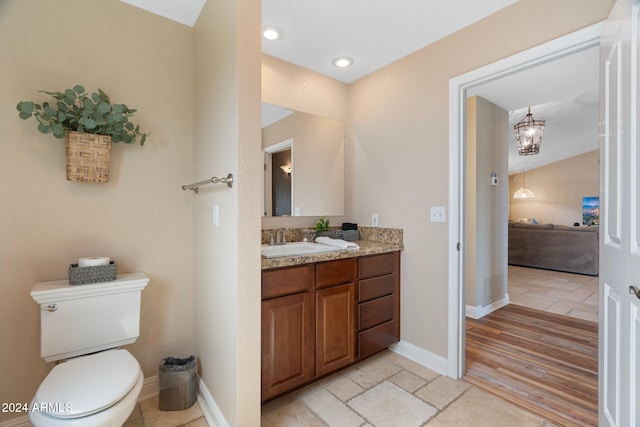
(377, 287)
(287, 281)
(337, 272)
(377, 338)
(378, 265)
(375, 312)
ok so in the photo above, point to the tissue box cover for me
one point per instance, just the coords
(95, 274)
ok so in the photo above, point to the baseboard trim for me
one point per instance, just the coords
(209, 408)
(480, 311)
(150, 388)
(421, 356)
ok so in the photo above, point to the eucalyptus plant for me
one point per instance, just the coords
(76, 111)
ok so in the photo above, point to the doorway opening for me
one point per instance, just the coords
(458, 88)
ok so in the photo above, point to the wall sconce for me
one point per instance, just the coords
(286, 169)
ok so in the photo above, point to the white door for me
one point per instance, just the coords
(619, 350)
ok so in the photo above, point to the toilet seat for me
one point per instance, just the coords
(87, 385)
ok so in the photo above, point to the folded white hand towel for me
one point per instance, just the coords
(338, 243)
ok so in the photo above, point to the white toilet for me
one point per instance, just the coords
(99, 384)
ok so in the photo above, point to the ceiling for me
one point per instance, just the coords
(375, 33)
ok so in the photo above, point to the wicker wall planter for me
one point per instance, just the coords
(88, 157)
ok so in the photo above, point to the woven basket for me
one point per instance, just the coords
(88, 157)
(93, 274)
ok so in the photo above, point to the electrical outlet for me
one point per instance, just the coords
(438, 214)
(374, 220)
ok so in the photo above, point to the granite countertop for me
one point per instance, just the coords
(366, 248)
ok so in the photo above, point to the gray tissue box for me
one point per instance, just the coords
(94, 274)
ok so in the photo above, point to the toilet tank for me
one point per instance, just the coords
(82, 319)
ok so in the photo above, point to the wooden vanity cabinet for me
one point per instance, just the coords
(335, 314)
(378, 302)
(320, 317)
(288, 329)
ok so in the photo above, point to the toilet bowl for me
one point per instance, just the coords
(89, 391)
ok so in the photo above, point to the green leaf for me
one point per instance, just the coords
(61, 106)
(78, 89)
(143, 138)
(89, 123)
(118, 108)
(129, 126)
(104, 107)
(50, 111)
(80, 129)
(104, 96)
(116, 138)
(58, 130)
(70, 94)
(56, 95)
(25, 107)
(61, 116)
(44, 119)
(24, 116)
(96, 98)
(44, 128)
(69, 100)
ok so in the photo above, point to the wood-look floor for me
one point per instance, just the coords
(543, 362)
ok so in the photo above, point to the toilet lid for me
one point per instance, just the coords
(87, 384)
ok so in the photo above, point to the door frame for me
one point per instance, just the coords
(572, 43)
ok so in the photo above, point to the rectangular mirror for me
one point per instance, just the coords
(303, 163)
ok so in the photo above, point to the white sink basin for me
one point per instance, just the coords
(296, 248)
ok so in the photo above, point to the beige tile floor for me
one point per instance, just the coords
(147, 414)
(390, 390)
(575, 295)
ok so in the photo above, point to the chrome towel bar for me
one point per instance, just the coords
(214, 180)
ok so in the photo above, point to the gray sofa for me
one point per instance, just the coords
(554, 247)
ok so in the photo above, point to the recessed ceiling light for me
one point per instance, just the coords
(272, 33)
(342, 62)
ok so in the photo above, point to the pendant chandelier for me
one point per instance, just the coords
(529, 135)
(523, 192)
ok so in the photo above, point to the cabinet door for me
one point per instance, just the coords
(335, 317)
(288, 337)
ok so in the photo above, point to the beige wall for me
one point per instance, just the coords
(486, 233)
(227, 267)
(398, 119)
(303, 90)
(559, 188)
(140, 218)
